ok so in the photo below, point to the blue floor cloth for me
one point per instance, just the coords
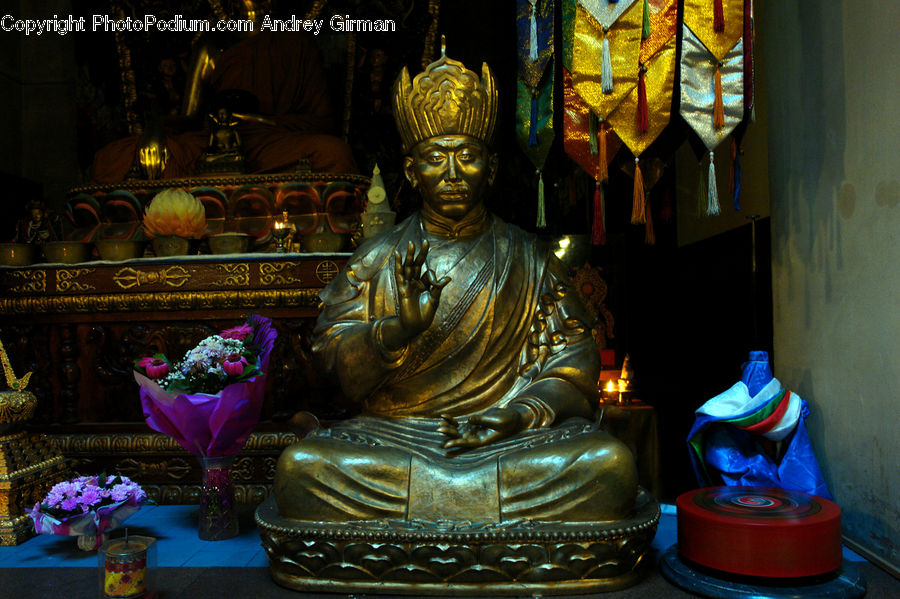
(175, 528)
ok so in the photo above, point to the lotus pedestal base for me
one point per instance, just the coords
(458, 558)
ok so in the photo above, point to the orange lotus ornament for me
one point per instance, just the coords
(175, 212)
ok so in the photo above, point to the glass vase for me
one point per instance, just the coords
(218, 513)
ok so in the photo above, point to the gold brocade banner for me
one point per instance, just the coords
(659, 81)
(700, 18)
(663, 26)
(577, 132)
(698, 93)
(624, 40)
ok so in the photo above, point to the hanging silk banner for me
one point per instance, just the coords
(645, 111)
(591, 144)
(642, 117)
(712, 76)
(712, 98)
(606, 47)
(534, 94)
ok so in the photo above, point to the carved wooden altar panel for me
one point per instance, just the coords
(80, 327)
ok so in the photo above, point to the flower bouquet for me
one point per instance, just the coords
(87, 507)
(209, 403)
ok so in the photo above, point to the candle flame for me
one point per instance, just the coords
(610, 387)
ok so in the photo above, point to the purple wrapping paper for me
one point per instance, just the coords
(211, 425)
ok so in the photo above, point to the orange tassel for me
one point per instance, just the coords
(598, 230)
(718, 17)
(718, 105)
(649, 234)
(638, 209)
(643, 119)
(602, 171)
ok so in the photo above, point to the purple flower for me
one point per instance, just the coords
(91, 496)
(69, 504)
(233, 364)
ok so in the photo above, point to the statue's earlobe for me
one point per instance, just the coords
(409, 171)
(493, 165)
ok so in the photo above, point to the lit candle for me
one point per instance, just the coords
(610, 390)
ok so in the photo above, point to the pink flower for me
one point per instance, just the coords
(240, 332)
(155, 367)
(233, 364)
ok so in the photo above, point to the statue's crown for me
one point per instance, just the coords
(445, 99)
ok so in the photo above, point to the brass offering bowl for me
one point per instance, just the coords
(324, 242)
(229, 243)
(67, 252)
(18, 254)
(116, 250)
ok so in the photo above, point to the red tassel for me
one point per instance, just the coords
(718, 104)
(666, 211)
(643, 119)
(598, 231)
(638, 210)
(718, 17)
(649, 234)
(602, 172)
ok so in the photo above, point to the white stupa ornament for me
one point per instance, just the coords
(377, 216)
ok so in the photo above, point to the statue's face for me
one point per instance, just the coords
(451, 172)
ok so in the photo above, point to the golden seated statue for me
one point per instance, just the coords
(474, 465)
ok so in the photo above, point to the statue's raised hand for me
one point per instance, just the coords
(418, 292)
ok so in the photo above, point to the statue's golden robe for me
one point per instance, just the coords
(509, 329)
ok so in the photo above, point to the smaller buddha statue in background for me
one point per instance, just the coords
(223, 154)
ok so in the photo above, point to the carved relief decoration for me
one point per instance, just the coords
(272, 273)
(67, 280)
(28, 281)
(326, 270)
(173, 276)
(236, 275)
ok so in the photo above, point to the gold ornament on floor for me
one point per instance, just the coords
(29, 464)
(475, 466)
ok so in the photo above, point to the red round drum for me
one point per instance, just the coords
(758, 531)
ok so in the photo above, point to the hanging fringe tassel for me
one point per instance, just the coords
(606, 74)
(645, 30)
(666, 211)
(718, 104)
(638, 209)
(532, 127)
(532, 40)
(542, 211)
(712, 205)
(718, 17)
(643, 119)
(649, 234)
(736, 175)
(592, 133)
(602, 172)
(598, 230)
(701, 193)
